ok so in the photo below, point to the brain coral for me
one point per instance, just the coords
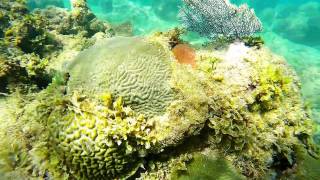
(129, 67)
(99, 140)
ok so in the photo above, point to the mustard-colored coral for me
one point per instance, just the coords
(100, 139)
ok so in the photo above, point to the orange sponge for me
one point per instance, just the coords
(185, 54)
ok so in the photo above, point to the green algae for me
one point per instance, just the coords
(272, 86)
(208, 167)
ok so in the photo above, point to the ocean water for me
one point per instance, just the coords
(291, 29)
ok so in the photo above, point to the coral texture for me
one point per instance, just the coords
(128, 67)
(104, 140)
(212, 18)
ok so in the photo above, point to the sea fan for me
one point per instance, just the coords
(213, 18)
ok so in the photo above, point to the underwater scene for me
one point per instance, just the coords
(159, 89)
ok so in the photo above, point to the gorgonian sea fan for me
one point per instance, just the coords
(213, 18)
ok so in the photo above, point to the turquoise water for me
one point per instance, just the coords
(291, 29)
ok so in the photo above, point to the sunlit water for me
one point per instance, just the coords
(291, 29)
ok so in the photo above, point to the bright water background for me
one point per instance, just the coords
(291, 28)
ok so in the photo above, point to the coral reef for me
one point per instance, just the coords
(27, 33)
(82, 19)
(214, 18)
(79, 21)
(45, 4)
(239, 105)
(21, 34)
(32, 41)
(123, 107)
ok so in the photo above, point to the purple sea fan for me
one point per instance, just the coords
(213, 18)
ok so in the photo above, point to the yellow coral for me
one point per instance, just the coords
(98, 140)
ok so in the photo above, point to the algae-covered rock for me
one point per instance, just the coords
(307, 167)
(136, 70)
(206, 167)
(256, 110)
(125, 108)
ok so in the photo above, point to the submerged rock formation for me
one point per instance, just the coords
(126, 108)
(245, 105)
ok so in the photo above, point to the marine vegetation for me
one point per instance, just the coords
(133, 108)
(31, 41)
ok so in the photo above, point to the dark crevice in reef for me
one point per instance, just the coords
(281, 164)
(188, 146)
(20, 79)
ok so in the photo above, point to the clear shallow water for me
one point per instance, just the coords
(291, 29)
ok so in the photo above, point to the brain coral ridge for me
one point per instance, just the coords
(131, 68)
(103, 140)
